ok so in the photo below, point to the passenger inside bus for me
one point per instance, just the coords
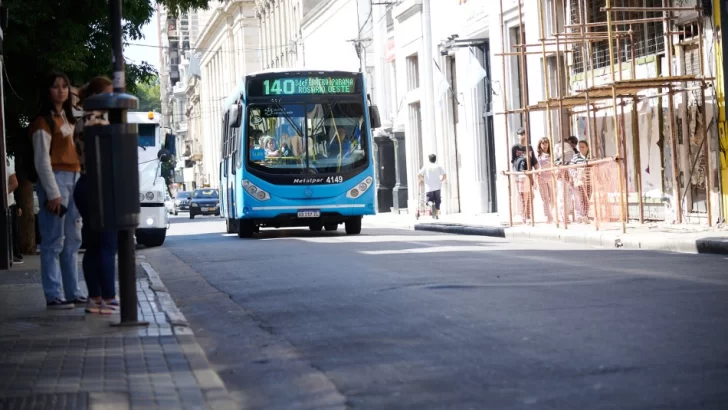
(270, 147)
(254, 138)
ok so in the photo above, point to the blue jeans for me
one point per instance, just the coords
(61, 241)
(99, 261)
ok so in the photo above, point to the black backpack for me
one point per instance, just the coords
(26, 159)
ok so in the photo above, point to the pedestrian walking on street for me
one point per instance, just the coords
(57, 165)
(99, 261)
(433, 175)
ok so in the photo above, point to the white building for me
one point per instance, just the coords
(229, 48)
(279, 31)
(193, 148)
(338, 36)
(451, 119)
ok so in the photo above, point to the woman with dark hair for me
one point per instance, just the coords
(99, 261)
(57, 165)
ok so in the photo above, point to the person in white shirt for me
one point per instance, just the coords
(12, 182)
(433, 175)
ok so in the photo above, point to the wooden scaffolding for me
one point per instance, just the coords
(576, 40)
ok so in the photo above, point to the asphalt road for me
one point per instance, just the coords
(396, 319)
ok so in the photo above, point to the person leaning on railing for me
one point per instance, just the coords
(581, 180)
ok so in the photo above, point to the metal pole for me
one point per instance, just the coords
(505, 116)
(526, 110)
(127, 258)
(429, 120)
(671, 115)
(637, 157)
(549, 125)
(709, 163)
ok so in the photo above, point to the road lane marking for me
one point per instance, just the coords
(426, 249)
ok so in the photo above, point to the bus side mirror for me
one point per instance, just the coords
(374, 120)
(164, 155)
(234, 115)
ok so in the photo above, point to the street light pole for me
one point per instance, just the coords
(127, 257)
(113, 173)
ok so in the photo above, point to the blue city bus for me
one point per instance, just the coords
(296, 151)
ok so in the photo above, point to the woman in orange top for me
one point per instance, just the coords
(57, 165)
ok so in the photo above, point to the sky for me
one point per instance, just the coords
(148, 50)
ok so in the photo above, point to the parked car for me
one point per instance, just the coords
(205, 202)
(169, 204)
(182, 202)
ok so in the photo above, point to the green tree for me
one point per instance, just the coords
(149, 96)
(72, 36)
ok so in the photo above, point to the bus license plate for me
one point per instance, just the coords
(309, 213)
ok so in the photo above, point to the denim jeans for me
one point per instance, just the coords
(61, 241)
(99, 261)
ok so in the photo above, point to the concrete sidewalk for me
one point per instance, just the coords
(70, 359)
(674, 238)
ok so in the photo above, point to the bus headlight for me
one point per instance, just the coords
(254, 191)
(360, 188)
(150, 196)
(141, 196)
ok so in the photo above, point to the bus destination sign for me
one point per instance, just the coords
(310, 85)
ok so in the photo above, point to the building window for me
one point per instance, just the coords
(392, 86)
(415, 118)
(648, 38)
(413, 72)
(390, 18)
(516, 68)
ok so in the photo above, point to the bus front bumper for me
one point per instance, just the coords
(153, 217)
(305, 215)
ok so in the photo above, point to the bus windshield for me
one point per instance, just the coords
(147, 135)
(150, 173)
(297, 138)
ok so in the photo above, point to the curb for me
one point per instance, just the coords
(210, 383)
(706, 245)
(174, 315)
(459, 229)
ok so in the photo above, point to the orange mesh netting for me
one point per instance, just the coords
(584, 193)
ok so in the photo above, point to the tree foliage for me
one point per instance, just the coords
(72, 36)
(149, 96)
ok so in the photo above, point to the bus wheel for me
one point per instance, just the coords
(316, 226)
(229, 225)
(245, 228)
(353, 226)
(331, 227)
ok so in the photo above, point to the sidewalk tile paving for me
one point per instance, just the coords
(73, 360)
(653, 236)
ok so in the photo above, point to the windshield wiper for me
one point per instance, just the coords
(289, 119)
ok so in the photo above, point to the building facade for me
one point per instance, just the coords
(665, 154)
(229, 48)
(279, 31)
(453, 119)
